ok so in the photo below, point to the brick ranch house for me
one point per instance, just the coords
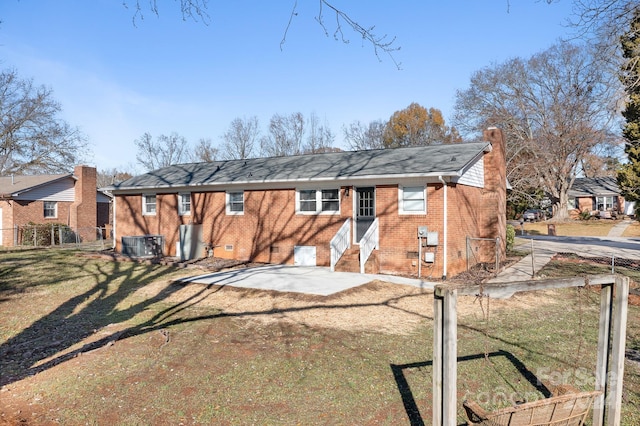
(300, 209)
(599, 196)
(70, 199)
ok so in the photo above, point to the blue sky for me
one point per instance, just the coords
(116, 80)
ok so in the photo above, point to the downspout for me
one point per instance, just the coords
(444, 238)
(113, 212)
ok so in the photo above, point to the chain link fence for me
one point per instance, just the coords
(483, 254)
(55, 235)
(586, 257)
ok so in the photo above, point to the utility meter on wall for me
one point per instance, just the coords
(422, 232)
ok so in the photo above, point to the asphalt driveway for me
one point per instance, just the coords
(300, 279)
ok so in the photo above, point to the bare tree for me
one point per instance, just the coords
(165, 151)
(285, 136)
(111, 176)
(33, 138)
(555, 109)
(239, 141)
(362, 137)
(204, 151)
(601, 23)
(320, 137)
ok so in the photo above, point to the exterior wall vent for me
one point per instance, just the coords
(228, 247)
(143, 246)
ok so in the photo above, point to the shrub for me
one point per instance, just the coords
(41, 234)
(585, 215)
(511, 237)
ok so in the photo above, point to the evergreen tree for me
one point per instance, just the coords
(629, 174)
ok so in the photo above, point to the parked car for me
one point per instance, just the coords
(533, 215)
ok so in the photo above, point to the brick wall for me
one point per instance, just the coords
(7, 223)
(25, 212)
(266, 232)
(83, 213)
(269, 228)
(493, 218)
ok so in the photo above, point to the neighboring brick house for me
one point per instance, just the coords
(598, 196)
(281, 209)
(68, 199)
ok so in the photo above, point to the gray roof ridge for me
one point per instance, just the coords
(403, 161)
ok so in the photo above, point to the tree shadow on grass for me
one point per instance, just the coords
(77, 318)
(72, 328)
(409, 402)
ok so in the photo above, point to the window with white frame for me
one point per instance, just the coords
(235, 202)
(307, 201)
(330, 200)
(412, 200)
(50, 209)
(315, 201)
(149, 204)
(604, 203)
(184, 204)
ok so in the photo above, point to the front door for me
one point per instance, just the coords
(365, 210)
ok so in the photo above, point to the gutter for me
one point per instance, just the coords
(279, 183)
(446, 223)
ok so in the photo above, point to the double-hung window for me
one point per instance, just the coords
(235, 202)
(412, 200)
(184, 204)
(307, 201)
(317, 201)
(604, 203)
(50, 209)
(149, 204)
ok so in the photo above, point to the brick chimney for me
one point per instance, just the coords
(494, 200)
(83, 213)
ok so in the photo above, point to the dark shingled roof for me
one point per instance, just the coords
(417, 161)
(589, 187)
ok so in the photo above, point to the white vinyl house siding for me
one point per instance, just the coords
(61, 190)
(474, 175)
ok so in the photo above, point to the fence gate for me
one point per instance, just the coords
(483, 252)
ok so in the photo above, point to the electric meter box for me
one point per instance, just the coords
(422, 232)
(432, 239)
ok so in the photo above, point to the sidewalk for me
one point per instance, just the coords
(525, 269)
(542, 249)
(619, 228)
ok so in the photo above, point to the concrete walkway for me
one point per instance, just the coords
(299, 279)
(526, 268)
(543, 248)
(619, 228)
(321, 281)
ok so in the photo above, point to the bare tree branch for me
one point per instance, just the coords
(195, 10)
(381, 44)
